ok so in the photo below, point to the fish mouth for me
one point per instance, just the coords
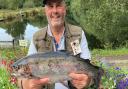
(22, 71)
(21, 75)
(15, 74)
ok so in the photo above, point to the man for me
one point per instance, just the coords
(58, 35)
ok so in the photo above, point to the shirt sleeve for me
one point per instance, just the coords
(85, 53)
(32, 49)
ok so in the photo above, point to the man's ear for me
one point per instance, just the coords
(45, 10)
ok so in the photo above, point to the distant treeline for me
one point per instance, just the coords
(105, 21)
(17, 4)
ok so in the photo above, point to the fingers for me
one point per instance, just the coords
(34, 83)
(78, 76)
(79, 80)
(40, 81)
(78, 84)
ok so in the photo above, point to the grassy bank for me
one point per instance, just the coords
(8, 14)
(110, 52)
(12, 54)
(95, 52)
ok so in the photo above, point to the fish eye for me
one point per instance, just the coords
(16, 67)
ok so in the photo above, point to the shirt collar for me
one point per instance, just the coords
(50, 32)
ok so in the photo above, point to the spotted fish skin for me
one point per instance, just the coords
(56, 66)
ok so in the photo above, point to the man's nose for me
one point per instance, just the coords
(54, 9)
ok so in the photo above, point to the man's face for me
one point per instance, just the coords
(55, 12)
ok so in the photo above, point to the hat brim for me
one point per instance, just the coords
(45, 1)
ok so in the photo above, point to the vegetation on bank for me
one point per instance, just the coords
(113, 78)
(105, 21)
(19, 4)
(20, 13)
(15, 53)
(6, 80)
(109, 52)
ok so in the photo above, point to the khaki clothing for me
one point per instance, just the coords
(43, 42)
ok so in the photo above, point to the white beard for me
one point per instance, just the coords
(55, 23)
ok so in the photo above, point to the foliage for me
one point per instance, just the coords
(107, 20)
(3, 4)
(28, 4)
(17, 4)
(13, 53)
(38, 2)
(6, 81)
(8, 57)
(123, 84)
(109, 52)
(20, 15)
(114, 77)
(19, 29)
(11, 4)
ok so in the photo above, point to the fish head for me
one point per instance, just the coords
(22, 71)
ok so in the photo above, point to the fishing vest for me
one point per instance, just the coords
(43, 42)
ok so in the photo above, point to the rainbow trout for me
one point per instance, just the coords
(56, 66)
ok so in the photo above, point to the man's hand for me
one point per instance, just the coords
(34, 83)
(80, 80)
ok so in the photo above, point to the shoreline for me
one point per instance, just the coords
(12, 14)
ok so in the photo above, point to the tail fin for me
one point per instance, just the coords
(97, 79)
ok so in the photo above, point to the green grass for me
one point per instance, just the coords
(12, 54)
(5, 80)
(110, 52)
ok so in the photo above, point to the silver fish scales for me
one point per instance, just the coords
(56, 66)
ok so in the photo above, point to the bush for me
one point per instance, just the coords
(107, 20)
(3, 4)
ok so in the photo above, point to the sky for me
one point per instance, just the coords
(4, 36)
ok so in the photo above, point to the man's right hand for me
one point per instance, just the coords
(33, 83)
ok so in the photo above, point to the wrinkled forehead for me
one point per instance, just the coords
(54, 1)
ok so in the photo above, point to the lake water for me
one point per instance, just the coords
(19, 30)
(28, 32)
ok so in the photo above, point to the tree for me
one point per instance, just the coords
(3, 4)
(29, 4)
(107, 20)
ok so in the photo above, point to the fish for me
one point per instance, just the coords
(56, 66)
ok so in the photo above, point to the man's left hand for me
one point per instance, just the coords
(80, 80)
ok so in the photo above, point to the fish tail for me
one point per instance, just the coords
(97, 79)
